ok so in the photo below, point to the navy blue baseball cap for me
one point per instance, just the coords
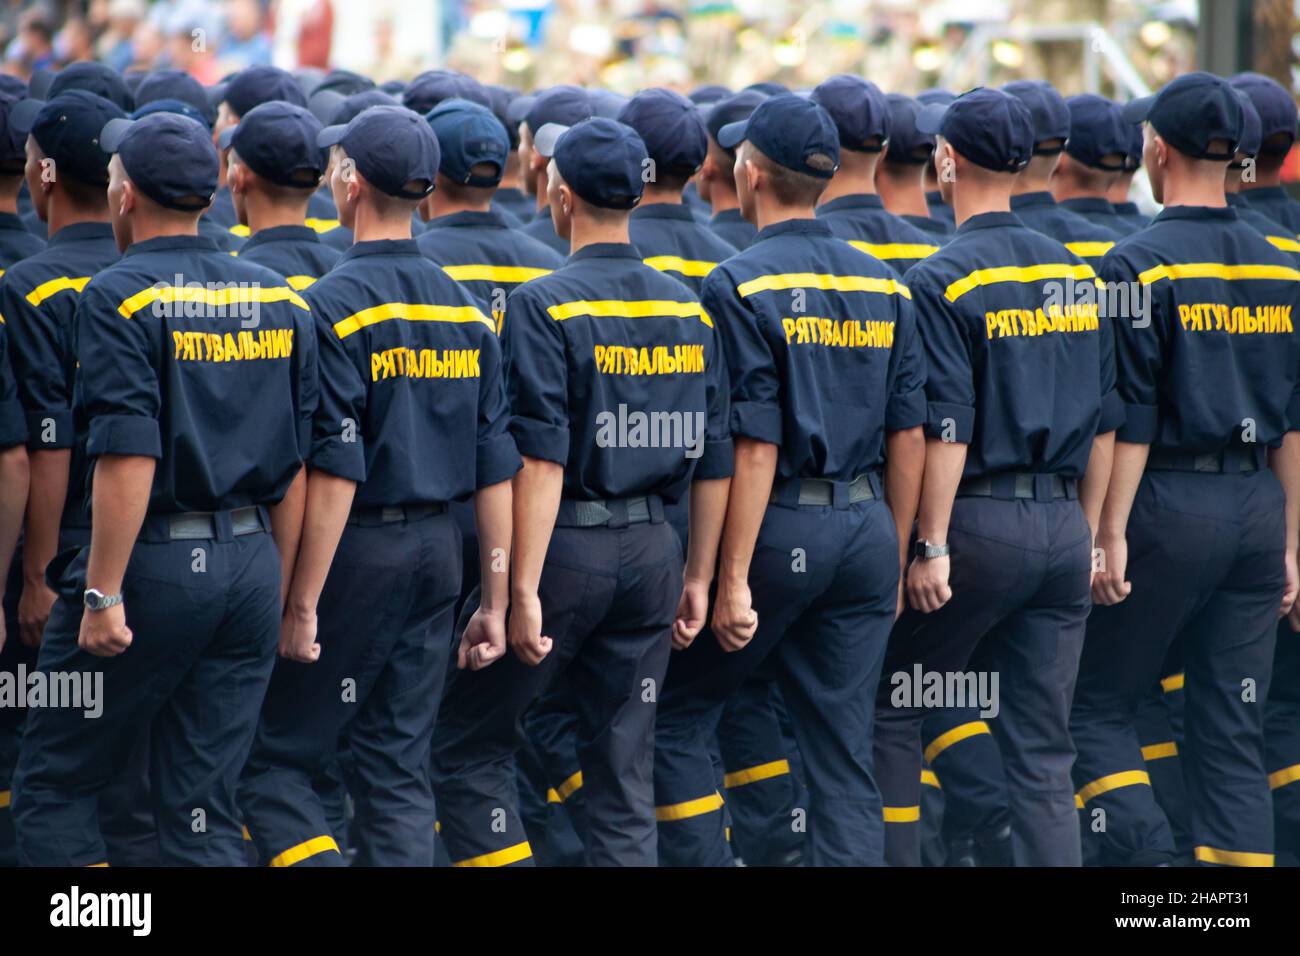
(171, 106)
(607, 103)
(13, 141)
(907, 144)
(1047, 110)
(502, 97)
(708, 94)
(1134, 158)
(732, 109)
(991, 128)
(335, 109)
(1097, 129)
(1273, 103)
(67, 130)
(769, 87)
(671, 128)
(1252, 130)
(935, 95)
(468, 136)
(93, 78)
(1191, 112)
(12, 85)
(256, 85)
(433, 86)
(175, 85)
(564, 105)
(858, 109)
(792, 131)
(345, 82)
(277, 140)
(602, 161)
(169, 157)
(393, 148)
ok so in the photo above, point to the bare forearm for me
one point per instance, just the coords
(1285, 462)
(286, 528)
(328, 502)
(537, 490)
(1092, 490)
(944, 461)
(118, 505)
(1128, 464)
(14, 481)
(904, 470)
(708, 508)
(45, 500)
(493, 519)
(751, 490)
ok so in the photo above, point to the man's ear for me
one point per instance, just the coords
(128, 198)
(753, 175)
(566, 198)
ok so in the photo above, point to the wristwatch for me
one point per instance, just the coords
(96, 600)
(926, 551)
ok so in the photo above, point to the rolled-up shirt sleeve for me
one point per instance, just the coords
(1112, 406)
(751, 366)
(495, 457)
(119, 378)
(536, 374)
(907, 372)
(337, 445)
(716, 458)
(1139, 353)
(949, 380)
(38, 337)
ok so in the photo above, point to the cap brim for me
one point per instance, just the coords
(23, 116)
(113, 133)
(519, 108)
(225, 137)
(1136, 111)
(733, 134)
(324, 104)
(547, 137)
(929, 119)
(330, 136)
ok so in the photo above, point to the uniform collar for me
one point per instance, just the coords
(794, 227)
(1032, 200)
(934, 197)
(1089, 204)
(729, 215)
(1224, 213)
(1126, 208)
(9, 220)
(607, 250)
(856, 201)
(166, 243)
(543, 215)
(281, 234)
(467, 217)
(990, 220)
(664, 210)
(1265, 192)
(382, 247)
(79, 231)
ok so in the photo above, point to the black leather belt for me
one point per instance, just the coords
(375, 515)
(1230, 461)
(610, 513)
(1009, 486)
(206, 525)
(826, 493)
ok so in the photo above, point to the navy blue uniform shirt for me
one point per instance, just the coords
(38, 299)
(542, 228)
(868, 227)
(295, 252)
(1129, 212)
(821, 348)
(1041, 213)
(412, 405)
(16, 241)
(1276, 203)
(672, 241)
(1274, 232)
(1221, 347)
(939, 209)
(937, 229)
(1021, 367)
(516, 202)
(1098, 211)
(481, 252)
(13, 421)
(596, 347)
(201, 361)
(733, 228)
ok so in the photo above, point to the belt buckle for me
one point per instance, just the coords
(1212, 463)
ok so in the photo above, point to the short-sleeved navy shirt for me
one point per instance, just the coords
(864, 222)
(673, 242)
(295, 252)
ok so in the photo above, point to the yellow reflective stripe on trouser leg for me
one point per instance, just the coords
(1114, 781)
(1208, 854)
(900, 814)
(511, 854)
(956, 735)
(1159, 751)
(308, 848)
(690, 808)
(1276, 780)
(764, 771)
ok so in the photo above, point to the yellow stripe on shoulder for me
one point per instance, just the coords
(321, 225)
(813, 280)
(1283, 243)
(55, 286)
(894, 250)
(410, 312)
(489, 273)
(997, 274)
(629, 309)
(215, 297)
(1090, 250)
(1217, 270)
(298, 283)
(687, 267)
(240, 230)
